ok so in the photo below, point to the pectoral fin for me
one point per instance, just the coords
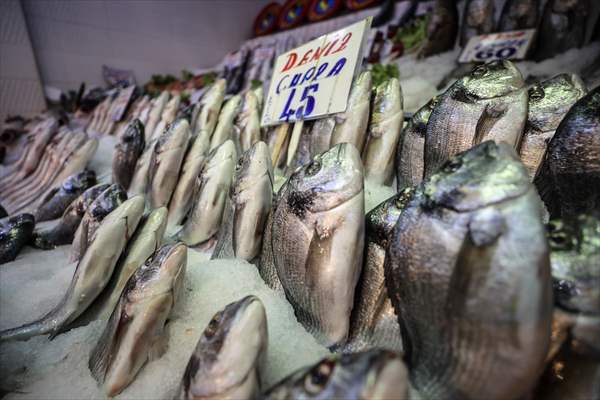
(490, 116)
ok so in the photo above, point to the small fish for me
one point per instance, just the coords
(518, 14)
(224, 128)
(226, 361)
(247, 123)
(210, 104)
(320, 135)
(135, 332)
(54, 204)
(562, 27)
(91, 275)
(127, 153)
(208, 203)
(375, 374)
(14, 235)
(478, 18)
(248, 206)
(442, 29)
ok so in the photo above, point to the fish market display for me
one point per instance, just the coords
(478, 18)
(488, 104)
(549, 101)
(247, 206)
(518, 14)
(59, 198)
(374, 374)
(14, 235)
(127, 152)
(91, 275)
(166, 162)
(374, 323)
(562, 27)
(224, 128)
(226, 361)
(208, 203)
(442, 29)
(313, 244)
(384, 132)
(247, 124)
(135, 332)
(351, 125)
(209, 108)
(467, 270)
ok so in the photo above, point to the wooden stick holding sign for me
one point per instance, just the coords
(294, 140)
(282, 132)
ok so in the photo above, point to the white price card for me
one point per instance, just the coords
(495, 46)
(314, 79)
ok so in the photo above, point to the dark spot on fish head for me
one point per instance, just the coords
(300, 202)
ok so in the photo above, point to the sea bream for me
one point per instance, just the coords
(313, 244)
(15, 234)
(488, 104)
(211, 189)
(127, 152)
(224, 129)
(468, 273)
(135, 332)
(54, 204)
(210, 104)
(227, 359)
(247, 206)
(384, 129)
(91, 275)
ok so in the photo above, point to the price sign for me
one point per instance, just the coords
(314, 79)
(496, 46)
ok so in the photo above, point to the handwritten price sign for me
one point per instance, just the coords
(314, 79)
(496, 46)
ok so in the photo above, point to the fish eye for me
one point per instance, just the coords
(212, 327)
(316, 380)
(313, 168)
(238, 166)
(452, 165)
(536, 93)
(479, 71)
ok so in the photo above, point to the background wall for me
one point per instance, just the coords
(72, 39)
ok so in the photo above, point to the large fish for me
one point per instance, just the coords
(315, 239)
(478, 18)
(226, 361)
(549, 101)
(91, 275)
(15, 234)
(488, 104)
(212, 187)
(562, 27)
(210, 104)
(351, 125)
(468, 273)
(103, 205)
(135, 332)
(224, 129)
(54, 204)
(442, 28)
(518, 14)
(158, 106)
(127, 153)
(320, 135)
(166, 162)
(385, 125)
(248, 206)
(374, 374)
(374, 323)
(247, 123)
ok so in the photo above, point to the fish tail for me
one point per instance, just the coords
(24, 332)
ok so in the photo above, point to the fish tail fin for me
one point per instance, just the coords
(42, 326)
(100, 356)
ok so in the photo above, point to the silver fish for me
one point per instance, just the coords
(247, 123)
(139, 181)
(468, 273)
(302, 155)
(166, 117)
(210, 104)
(158, 106)
(135, 332)
(320, 135)
(54, 204)
(127, 152)
(229, 354)
(223, 130)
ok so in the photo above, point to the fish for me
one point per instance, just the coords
(64, 231)
(468, 272)
(227, 360)
(224, 128)
(384, 130)
(562, 27)
(320, 135)
(166, 161)
(247, 123)
(488, 104)
(91, 274)
(315, 239)
(518, 14)
(351, 125)
(302, 155)
(573, 159)
(103, 205)
(210, 104)
(410, 153)
(374, 374)
(167, 117)
(442, 29)
(139, 181)
(15, 234)
(211, 190)
(373, 323)
(478, 18)
(127, 152)
(135, 332)
(549, 101)
(154, 117)
(54, 204)
(248, 206)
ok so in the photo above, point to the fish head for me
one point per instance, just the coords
(77, 182)
(92, 193)
(381, 220)
(329, 180)
(228, 351)
(21, 222)
(134, 136)
(253, 165)
(216, 91)
(226, 152)
(387, 100)
(175, 136)
(485, 174)
(490, 80)
(366, 375)
(107, 201)
(361, 89)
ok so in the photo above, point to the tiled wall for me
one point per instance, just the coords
(72, 39)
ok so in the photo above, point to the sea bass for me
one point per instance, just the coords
(468, 273)
(91, 275)
(314, 241)
(247, 124)
(248, 206)
(135, 332)
(210, 104)
(224, 129)
(488, 104)
(127, 152)
(54, 204)
(478, 18)
(15, 234)
(229, 354)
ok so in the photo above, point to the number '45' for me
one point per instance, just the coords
(304, 110)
